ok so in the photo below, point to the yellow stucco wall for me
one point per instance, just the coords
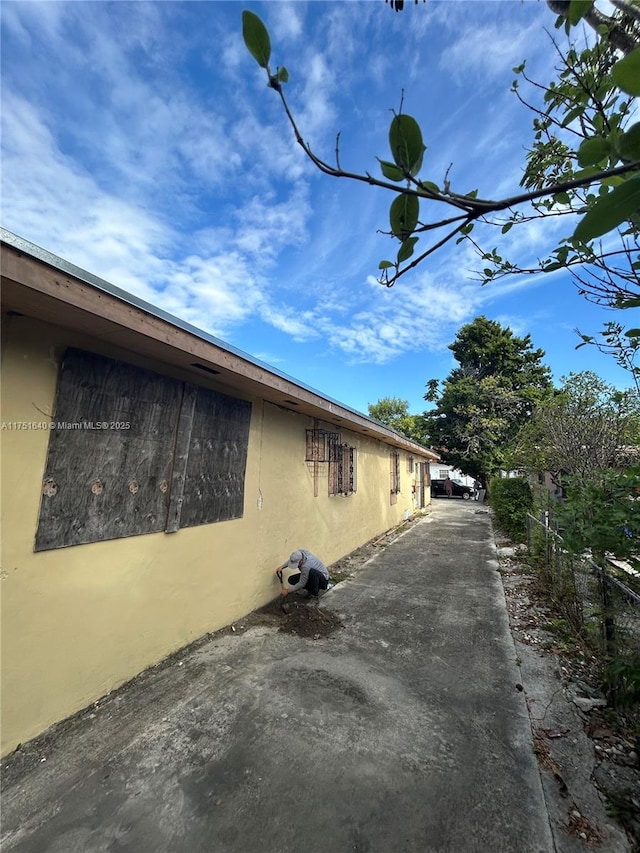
(79, 621)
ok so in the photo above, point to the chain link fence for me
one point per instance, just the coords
(596, 604)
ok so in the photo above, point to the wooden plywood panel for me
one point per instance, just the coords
(181, 457)
(110, 454)
(214, 485)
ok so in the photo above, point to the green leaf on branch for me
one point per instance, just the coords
(593, 150)
(572, 115)
(256, 38)
(405, 142)
(562, 198)
(586, 173)
(385, 265)
(613, 181)
(283, 75)
(628, 144)
(429, 185)
(586, 339)
(403, 215)
(577, 10)
(465, 230)
(626, 73)
(609, 211)
(507, 227)
(632, 333)
(390, 170)
(406, 250)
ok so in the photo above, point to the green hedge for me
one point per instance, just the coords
(511, 500)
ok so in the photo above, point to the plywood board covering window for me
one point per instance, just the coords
(132, 452)
(216, 464)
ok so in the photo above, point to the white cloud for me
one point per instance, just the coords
(214, 293)
(265, 226)
(487, 50)
(269, 151)
(46, 194)
(55, 204)
(402, 319)
(285, 22)
(23, 19)
(301, 326)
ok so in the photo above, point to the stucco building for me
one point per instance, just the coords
(152, 479)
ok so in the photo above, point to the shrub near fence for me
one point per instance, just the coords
(599, 607)
(511, 500)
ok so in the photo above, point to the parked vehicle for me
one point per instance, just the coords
(459, 490)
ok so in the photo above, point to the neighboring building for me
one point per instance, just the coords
(153, 478)
(440, 471)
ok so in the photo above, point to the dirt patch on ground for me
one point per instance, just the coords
(296, 617)
(293, 616)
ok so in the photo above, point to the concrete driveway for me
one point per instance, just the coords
(404, 732)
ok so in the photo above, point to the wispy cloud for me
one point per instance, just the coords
(286, 21)
(491, 47)
(402, 319)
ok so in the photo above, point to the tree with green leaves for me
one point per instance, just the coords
(585, 160)
(587, 436)
(601, 514)
(394, 413)
(584, 428)
(484, 401)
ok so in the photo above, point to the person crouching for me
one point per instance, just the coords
(303, 570)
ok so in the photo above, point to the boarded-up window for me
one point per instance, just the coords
(342, 469)
(134, 452)
(214, 488)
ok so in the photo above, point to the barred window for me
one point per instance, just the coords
(410, 464)
(395, 472)
(318, 444)
(342, 469)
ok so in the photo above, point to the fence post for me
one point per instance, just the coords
(608, 625)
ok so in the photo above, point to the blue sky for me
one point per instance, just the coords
(141, 143)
